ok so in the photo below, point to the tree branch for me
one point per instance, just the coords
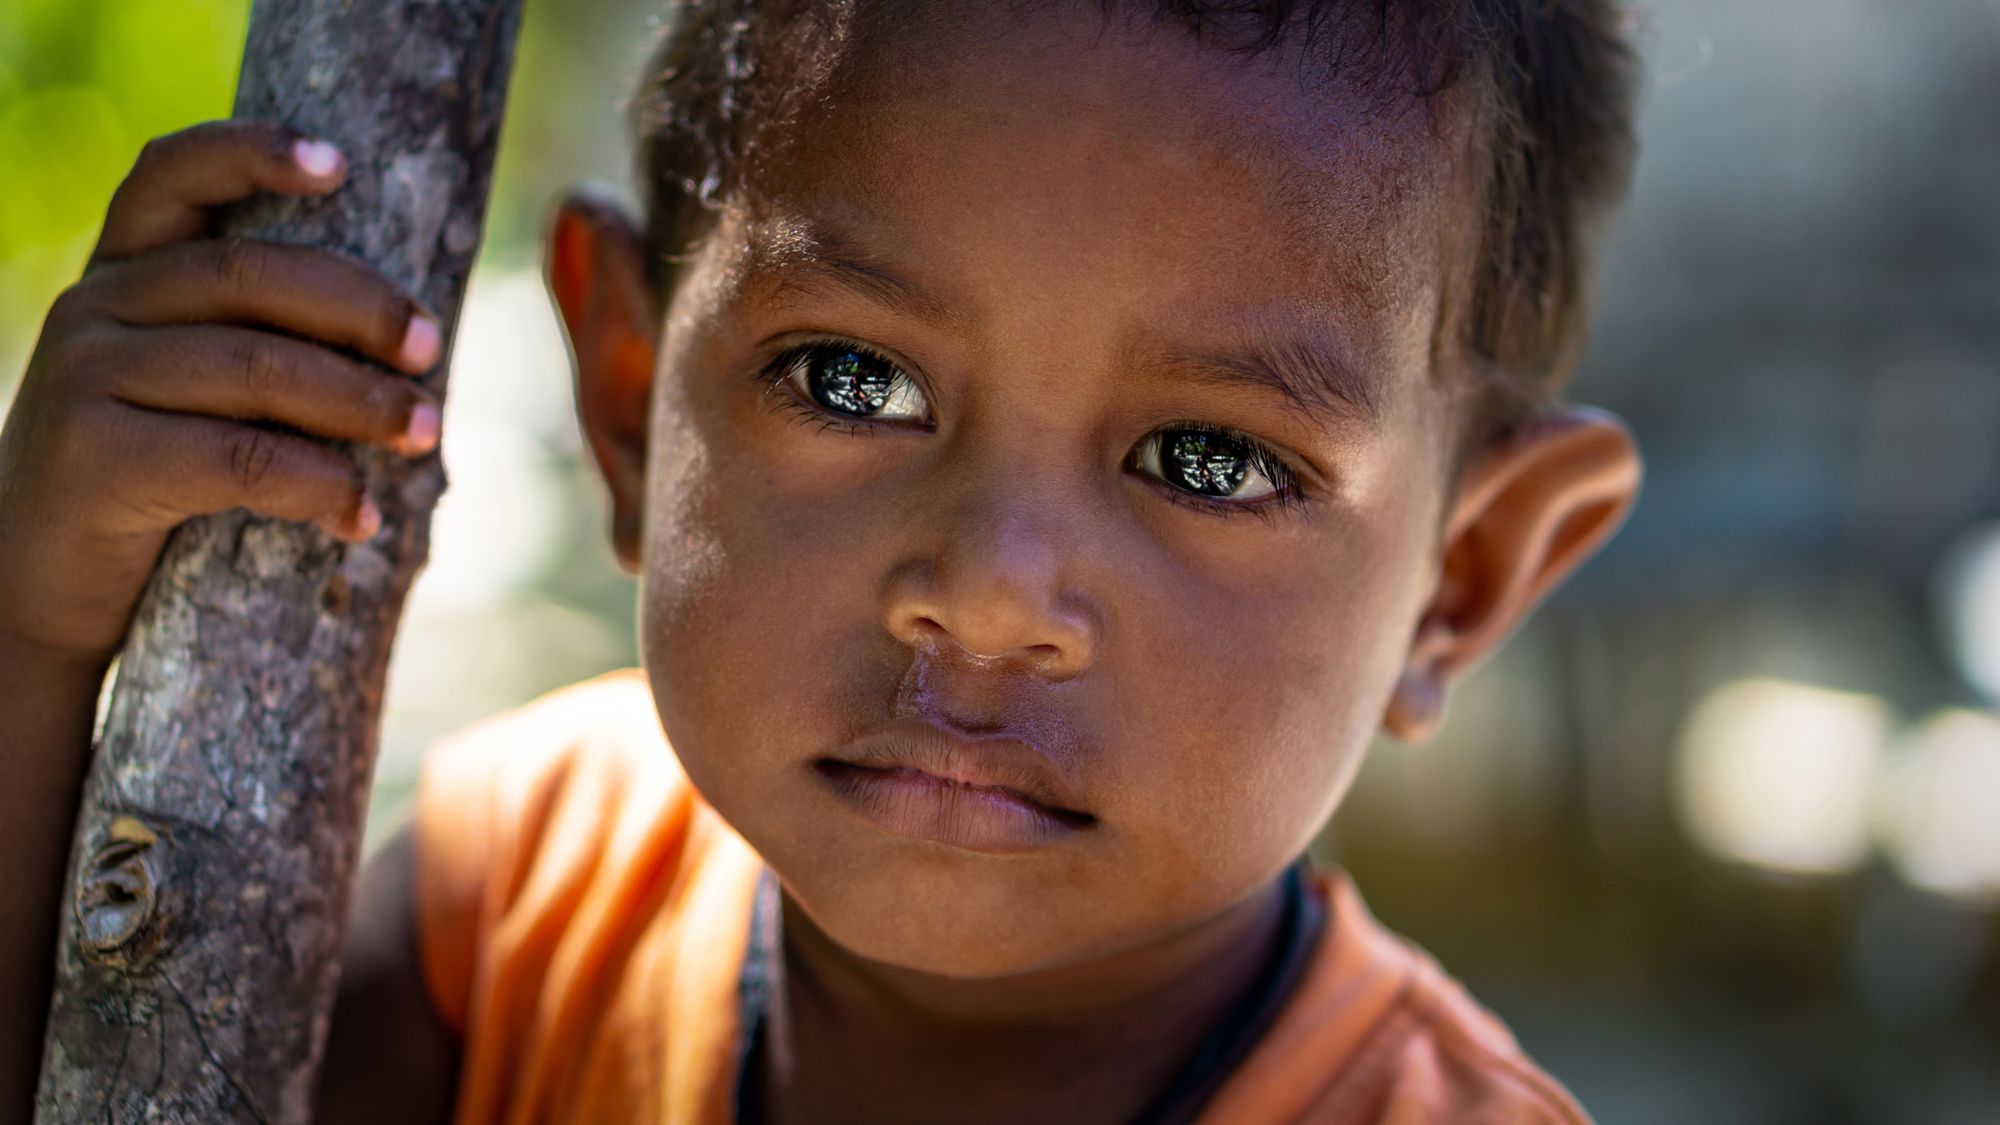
(221, 822)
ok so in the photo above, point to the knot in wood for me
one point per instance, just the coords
(118, 894)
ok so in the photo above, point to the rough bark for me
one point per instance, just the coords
(221, 822)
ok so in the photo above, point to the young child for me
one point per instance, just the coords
(1051, 438)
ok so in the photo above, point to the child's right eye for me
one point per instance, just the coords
(850, 381)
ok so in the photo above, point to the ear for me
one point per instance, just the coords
(1524, 516)
(596, 270)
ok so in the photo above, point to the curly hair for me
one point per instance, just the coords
(1555, 84)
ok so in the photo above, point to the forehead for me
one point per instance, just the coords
(1081, 166)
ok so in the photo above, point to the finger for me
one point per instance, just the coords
(186, 465)
(308, 292)
(248, 375)
(179, 179)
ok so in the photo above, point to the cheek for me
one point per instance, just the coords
(1256, 708)
(758, 628)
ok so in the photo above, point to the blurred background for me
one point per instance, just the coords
(1718, 833)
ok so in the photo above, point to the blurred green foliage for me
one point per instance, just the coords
(83, 83)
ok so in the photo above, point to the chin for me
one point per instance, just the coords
(948, 927)
(925, 907)
(915, 905)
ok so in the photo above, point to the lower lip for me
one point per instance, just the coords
(920, 806)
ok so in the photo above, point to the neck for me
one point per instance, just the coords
(1094, 1040)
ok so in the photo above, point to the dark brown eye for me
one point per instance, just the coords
(1211, 462)
(1206, 463)
(855, 383)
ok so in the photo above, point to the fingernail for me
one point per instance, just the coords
(367, 518)
(420, 343)
(316, 158)
(422, 432)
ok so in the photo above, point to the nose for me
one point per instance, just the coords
(995, 580)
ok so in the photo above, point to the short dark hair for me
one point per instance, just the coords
(1556, 85)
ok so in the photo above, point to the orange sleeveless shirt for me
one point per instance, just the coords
(582, 917)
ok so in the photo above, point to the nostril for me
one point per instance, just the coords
(984, 626)
(928, 634)
(925, 631)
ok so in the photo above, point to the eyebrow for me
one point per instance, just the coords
(807, 258)
(1305, 372)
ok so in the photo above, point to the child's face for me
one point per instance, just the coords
(1071, 245)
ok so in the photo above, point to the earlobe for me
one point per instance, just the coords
(1526, 515)
(596, 271)
(1416, 707)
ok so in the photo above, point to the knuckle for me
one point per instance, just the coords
(239, 266)
(68, 311)
(152, 155)
(87, 363)
(251, 457)
(78, 357)
(258, 365)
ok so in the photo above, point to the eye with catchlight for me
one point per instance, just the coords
(1213, 467)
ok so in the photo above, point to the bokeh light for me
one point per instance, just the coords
(1940, 805)
(1969, 595)
(1777, 775)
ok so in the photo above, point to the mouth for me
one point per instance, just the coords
(991, 795)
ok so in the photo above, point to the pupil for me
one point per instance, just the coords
(1206, 463)
(851, 382)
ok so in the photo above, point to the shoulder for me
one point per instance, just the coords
(573, 894)
(1451, 1059)
(490, 797)
(584, 732)
(515, 815)
(1377, 1033)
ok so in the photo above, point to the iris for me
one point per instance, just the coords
(850, 381)
(1208, 463)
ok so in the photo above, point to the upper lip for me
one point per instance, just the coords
(992, 761)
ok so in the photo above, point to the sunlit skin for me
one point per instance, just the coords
(1081, 222)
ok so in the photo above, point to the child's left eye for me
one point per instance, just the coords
(1216, 465)
(852, 382)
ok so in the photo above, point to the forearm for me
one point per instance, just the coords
(47, 704)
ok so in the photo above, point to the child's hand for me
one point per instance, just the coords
(150, 394)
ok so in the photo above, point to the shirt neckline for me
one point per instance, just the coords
(1195, 1083)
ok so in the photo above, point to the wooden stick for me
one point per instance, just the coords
(222, 818)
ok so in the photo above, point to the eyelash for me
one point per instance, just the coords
(775, 373)
(1286, 493)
